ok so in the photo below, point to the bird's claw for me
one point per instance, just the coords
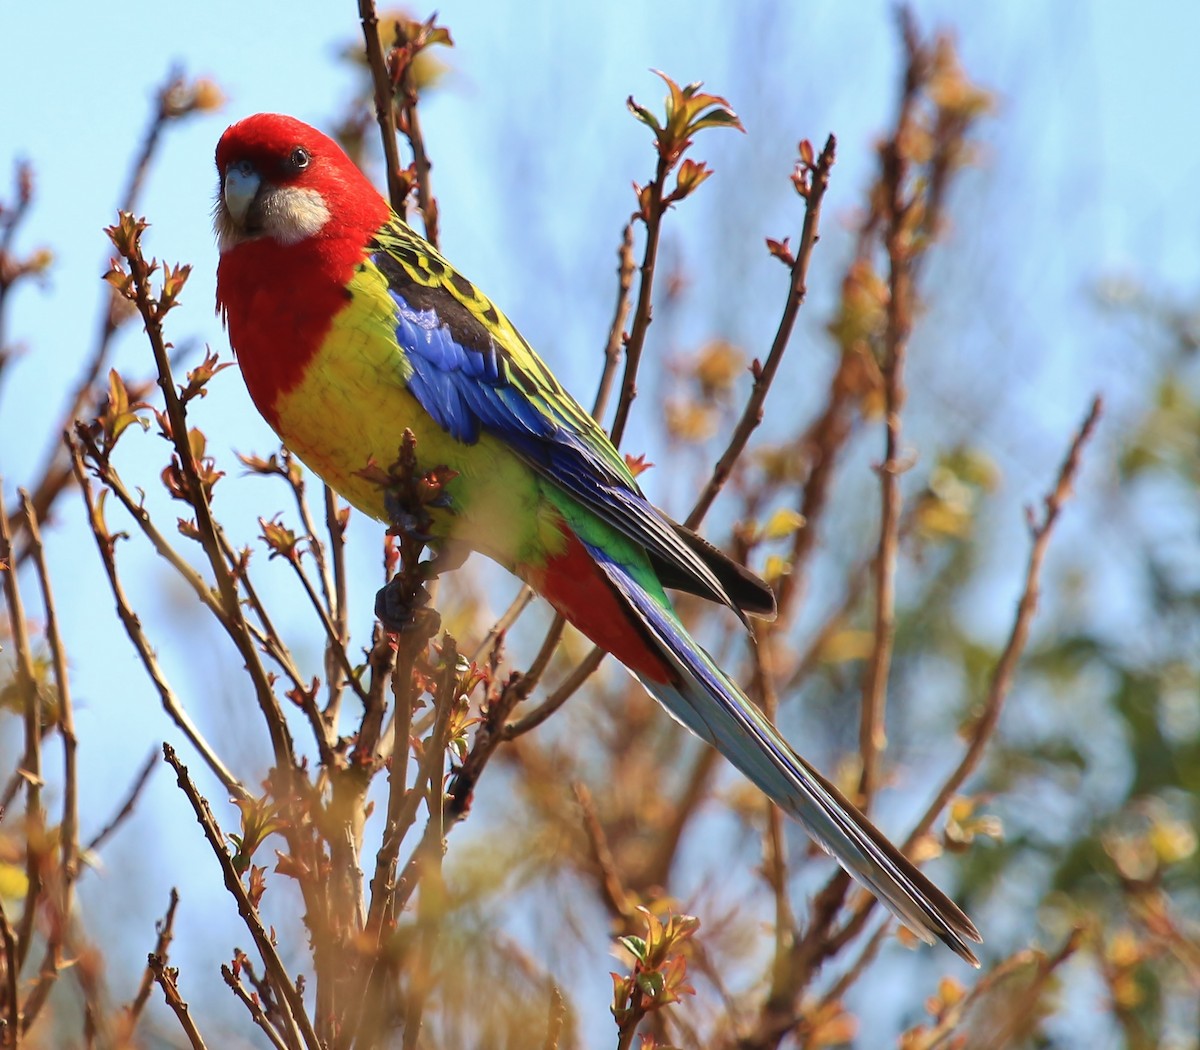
(401, 611)
(404, 522)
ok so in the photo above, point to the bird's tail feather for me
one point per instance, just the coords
(708, 703)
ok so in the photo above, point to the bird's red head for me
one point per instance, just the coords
(284, 181)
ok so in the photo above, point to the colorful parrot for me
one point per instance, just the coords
(349, 327)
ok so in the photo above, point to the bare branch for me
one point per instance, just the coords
(127, 239)
(1006, 666)
(12, 271)
(338, 604)
(165, 932)
(510, 615)
(166, 977)
(68, 836)
(616, 331)
(569, 687)
(127, 807)
(752, 414)
(11, 999)
(614, 894)
(55, 473)
(402, 803)
(133, 628)
(641, 315)
(900, 307)
(411, 127)
(556, 1020)
(289, 994)
(31, 763)
(334, 643)
(383, 103)
(254, 1007)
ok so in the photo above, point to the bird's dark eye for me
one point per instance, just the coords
(299, 159)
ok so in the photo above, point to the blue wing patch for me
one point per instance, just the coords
(469, 389)
(449, 380)
(469, 386)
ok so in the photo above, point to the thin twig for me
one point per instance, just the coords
(267, 637)
(294, 1010)
(299, 489)
(55, 474)
(900, 305)
(31, 763)
(166, 977)
(383, 103)
(654, 213)
(614, 894)
(822, 443)
(332, 609)
(333, 639)
(569, 687)
(381, 660)
(857, 579)
(1006, 666)
(163, 114)
(127, 807)
(856, 969)
(426, 203)
(11, 218)
(162, 547)
(152, 312)
(911, 221)
(389, 895)
(11, 997)
(616, 331)
(490, 640)
(402, 804)
(267, 998)
(141, 644)
(164, 933)
(68, 836)
(496, 729)
(556, 1020)
(752, 414)
(335, 523)
(896, 205)
(431, 904)
(404, 813)
(252, 1004)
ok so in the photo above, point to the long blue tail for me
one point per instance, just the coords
(708, 703)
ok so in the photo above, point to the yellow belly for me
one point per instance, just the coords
(352, 408)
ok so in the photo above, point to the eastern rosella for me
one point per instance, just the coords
(349, 328)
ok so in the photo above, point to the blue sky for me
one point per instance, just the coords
(1088, 170)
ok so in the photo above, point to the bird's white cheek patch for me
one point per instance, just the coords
(291, 214)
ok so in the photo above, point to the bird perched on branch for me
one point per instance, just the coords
(350, 328)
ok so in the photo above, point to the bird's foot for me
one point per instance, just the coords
(404, 522)
(402, 610)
